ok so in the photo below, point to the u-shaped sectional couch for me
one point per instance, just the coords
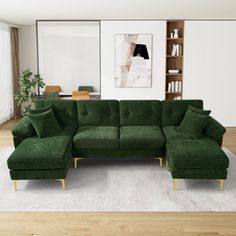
(110, 128)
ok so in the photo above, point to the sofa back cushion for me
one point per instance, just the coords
(173, 111)
(65, 110)
(98, 112)
(140, 112)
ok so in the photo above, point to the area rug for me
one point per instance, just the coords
(117, 185)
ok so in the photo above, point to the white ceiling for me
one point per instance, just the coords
(25, 12)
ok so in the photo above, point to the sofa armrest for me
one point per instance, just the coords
(214, 130)
(22, 130)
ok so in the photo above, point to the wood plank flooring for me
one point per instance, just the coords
(118, 224)
(115, 223)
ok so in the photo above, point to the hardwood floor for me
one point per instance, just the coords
(5, 133)
(115, 223)
(230, 139)
(118, 224)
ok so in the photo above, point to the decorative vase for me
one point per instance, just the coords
(176, 35)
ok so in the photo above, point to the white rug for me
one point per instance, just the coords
(120, 185)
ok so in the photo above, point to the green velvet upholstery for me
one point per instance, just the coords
(140, 113)
(198, 173)
(112, 129)
(173, 111)
(40, 110)
(214, 130)
(171, 132)
(65, 110)
(45, 123)
(141, 137)
(42, 153)
(118, 153)
(96, 137)
(98, 113)
(193, 124)
(40, 174)
(199, 111)
(23, 129)
(196, 154)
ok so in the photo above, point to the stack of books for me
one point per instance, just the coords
(174, 86)
(177, 50)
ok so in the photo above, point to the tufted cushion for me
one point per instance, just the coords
(173, 111)
(145, 112)
(65, 110)
(102, 112)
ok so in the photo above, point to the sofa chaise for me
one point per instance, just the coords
(110, 128)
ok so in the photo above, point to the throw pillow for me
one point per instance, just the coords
(199, 111)
(193, 124)
(40, 110)
(45, 123)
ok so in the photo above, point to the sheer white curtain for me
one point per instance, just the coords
(6, 84)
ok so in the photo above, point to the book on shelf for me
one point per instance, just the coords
(177, 50)
(174, 86)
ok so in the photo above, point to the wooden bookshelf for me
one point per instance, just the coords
(174, 60)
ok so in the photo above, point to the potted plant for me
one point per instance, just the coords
(27, 93)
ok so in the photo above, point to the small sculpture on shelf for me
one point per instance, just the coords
(176, 34)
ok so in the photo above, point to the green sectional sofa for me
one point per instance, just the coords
(121, 129)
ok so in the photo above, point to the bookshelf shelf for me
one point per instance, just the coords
(174, 60)
(174, 56)
(173, 92)
(172, 74)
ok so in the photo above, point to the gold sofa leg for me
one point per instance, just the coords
(160, 159)
(174, 184)
(76, 161)
(15, 185)
(63, 183)
(221, 184)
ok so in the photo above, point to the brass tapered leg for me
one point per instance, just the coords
(221, 184)
(63, 183)
(76, 161)
(174, 184)
(15, 185)
(160, 159)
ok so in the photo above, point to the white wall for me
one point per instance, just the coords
(27, 48)
(108, 31)
(210, 67)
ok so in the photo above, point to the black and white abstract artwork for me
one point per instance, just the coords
(133, 61)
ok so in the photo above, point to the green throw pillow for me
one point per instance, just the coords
(199, 111)
(193, 124)
(45, 123)
(39, 110)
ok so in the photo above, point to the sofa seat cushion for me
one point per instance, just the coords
(96, 137)
(195, 154)
(141, 137)
(37, 153)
